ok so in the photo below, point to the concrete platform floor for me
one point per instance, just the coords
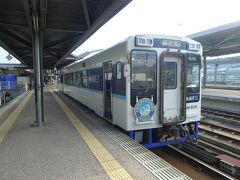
(56, 150)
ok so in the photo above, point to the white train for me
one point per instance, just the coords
(149, 85)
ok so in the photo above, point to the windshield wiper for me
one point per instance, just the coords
(148, 87)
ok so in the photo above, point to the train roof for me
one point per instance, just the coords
(131, 37)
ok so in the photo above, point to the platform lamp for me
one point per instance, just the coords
(9, 57)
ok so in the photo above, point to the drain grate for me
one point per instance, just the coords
(130, 145)
(145, 157)
(137, 151)
(160, 168)
(156, 164)
(169, 174)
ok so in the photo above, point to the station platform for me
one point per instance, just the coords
(228, 95)
(73, 143)
(222, 86)
(228, 100)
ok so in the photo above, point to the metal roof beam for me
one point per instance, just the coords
(51, 54)
(29, 53)
(85, 9)
(55, 49)
(15, 37)
(35, 6)
(62, 42)
(109, 12)
(14, 25)
(224, 40)
(65, 25)
(43, 12)
(65, 30)
(11, 12)
(27, 12)
(215, 30)
(220, 52)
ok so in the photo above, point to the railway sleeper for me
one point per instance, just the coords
(201, 153)
(222, 119)
(220, 132)
(215, 141)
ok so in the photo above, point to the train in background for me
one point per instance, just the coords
(148, 85)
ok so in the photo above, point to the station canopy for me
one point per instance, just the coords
(65, 24)
(221, 40)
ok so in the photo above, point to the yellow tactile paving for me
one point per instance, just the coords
(7, 124)
(111, 165)
(118, 174)
(113, 169)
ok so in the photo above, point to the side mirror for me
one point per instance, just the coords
(126, 70)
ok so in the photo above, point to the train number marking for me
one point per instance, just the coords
(191, 107)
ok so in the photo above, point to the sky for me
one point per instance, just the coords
(170, 17)
(3, 60)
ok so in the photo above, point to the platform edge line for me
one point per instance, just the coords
(120, 172)
(8, 123)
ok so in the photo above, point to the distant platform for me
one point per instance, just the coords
(221, 94)
(226, 87)
(221, 99)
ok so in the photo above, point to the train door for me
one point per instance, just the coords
(107, 90)
(173, 94)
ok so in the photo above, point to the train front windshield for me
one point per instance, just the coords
(193, 77)
(143, 75)
(143, 70)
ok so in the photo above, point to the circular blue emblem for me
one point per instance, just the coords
(144, 109)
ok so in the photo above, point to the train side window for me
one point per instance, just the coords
(84, 79)
(61, 78)
(193, 74)
(108, 71)
(78, 79)
(65, 79)
(170, 75)
(119, 70)
(74, 78)
(69, 79)
(81, 81)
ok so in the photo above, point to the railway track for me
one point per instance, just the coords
(232, 115)
(219, 132)
(210, 169)
(222, 130)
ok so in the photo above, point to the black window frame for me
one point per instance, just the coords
(121, 70)
(152, 92)
(93, 74)
(176, 76)
(85, 77)
(144, 50)
(69, 79)
(78, 76)
(193, 93)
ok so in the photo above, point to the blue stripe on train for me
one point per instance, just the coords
(118, 96)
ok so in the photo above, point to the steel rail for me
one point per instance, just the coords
(210, 168)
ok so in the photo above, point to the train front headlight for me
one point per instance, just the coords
(144, 41)
(194, 46)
